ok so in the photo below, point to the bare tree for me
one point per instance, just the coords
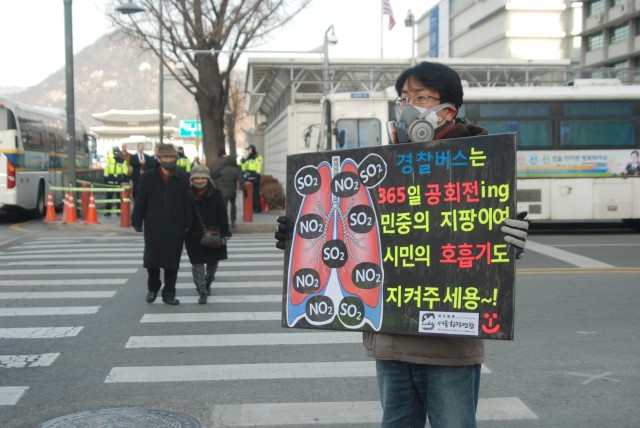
(236, 113)
(224, 28)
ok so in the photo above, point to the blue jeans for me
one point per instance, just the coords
(409, 393)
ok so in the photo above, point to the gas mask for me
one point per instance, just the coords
(415, 124)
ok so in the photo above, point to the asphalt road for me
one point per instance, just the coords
(91, 343)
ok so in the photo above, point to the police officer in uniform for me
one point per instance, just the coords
(116, 171)
(252, 168)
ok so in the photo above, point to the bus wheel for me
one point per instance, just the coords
(41, 203)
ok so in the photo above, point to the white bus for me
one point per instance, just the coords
(574, 142)
(33, 155)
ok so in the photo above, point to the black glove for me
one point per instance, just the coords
(137, 228)
(515, 231)
(284, 229)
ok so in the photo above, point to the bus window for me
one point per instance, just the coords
(531, 133)
(597, 109)
(353, 133)
(598, 133)
(7, 120)
(513, 110)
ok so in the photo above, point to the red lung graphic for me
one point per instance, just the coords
(362, 247)
(306, 253)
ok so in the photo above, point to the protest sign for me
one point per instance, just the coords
(403, 238)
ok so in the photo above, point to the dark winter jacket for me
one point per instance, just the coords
(213, 211)
(164, 211)
(229, 177)
(439, 351)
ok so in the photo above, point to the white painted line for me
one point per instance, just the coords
(51, 282)
(566, 256)
(68, 271)
(228, 299)
(9, 395)
(297, 414)
(85, 251)
(218, 285)
(24, 361)
(503, 409)
(58, 295)
(268, 339)
(39, 332)
(66, 310)
(74, 262)
(344, 413)
(235, 273)
(97, 245)
(241, 371)
(213, 317)
(72, 256)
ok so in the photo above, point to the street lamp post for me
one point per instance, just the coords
(128, 8)
(409, 21)
(328, 39)
(71, 115)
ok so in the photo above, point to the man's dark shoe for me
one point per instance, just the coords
(151, 296)
(203, 298)
(171, 301)
(208, 289)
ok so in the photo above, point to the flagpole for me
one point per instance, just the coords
(381, 28)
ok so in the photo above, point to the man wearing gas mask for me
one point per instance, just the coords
(422, 377)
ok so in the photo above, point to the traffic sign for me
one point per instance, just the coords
(190, 128)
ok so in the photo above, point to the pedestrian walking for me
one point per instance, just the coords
(229, 178)
(209, 214)
(163, 211)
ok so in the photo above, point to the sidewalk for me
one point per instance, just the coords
(263, 222)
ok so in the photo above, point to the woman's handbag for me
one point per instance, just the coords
(210, 238)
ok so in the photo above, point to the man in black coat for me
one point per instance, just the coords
(163, 206)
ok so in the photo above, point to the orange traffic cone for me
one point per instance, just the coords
(72, 215)
(65, 209)
(51, 209)
(92, 214)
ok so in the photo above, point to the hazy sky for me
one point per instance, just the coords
(32, 32)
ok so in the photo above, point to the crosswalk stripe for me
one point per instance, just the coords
(9, 395)
(127, 261)
(230, 299)
(232, 273)
(52, 282)
(212, 317)
(346, 413)
(269, 339)
(24, 361)
(39, 332)
(241, 372)
(64, 310)
(220, 285)
(58, 295)
(67, 271)
(122, 255)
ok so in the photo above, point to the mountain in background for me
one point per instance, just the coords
(112, 73)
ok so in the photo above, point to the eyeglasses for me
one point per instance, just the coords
(417, 100)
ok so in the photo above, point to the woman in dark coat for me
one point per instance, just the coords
(209, 204)
(163, 205)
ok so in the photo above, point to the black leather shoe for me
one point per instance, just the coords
(171, 301)
(203, 298)
(151, 296)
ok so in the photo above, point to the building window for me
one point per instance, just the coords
(595, 41)
(617, 2)
(619, 34)
(637, 26)
(594, 7)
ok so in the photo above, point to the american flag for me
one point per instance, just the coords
(386, 10)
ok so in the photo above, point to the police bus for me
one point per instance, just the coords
(33, 155)
(574, 142)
